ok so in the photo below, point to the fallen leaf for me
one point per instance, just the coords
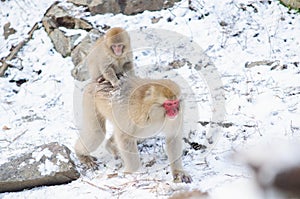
(5, 128)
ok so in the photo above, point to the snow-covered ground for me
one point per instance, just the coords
(262, 102)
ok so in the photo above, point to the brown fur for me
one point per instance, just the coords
(116, 36)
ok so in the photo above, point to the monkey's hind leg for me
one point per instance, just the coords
(92, 132)
(173, 148)
(127, 147)
(88, 142)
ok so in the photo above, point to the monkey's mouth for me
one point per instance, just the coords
(172, 113)
(118, 53)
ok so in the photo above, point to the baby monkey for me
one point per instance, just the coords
(111, 57)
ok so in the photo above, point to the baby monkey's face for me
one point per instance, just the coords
(117, 49)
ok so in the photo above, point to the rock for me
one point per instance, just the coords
(291, 3)
(48, 164)
(49, 24)
(58, 20)
(80, 2)
(102, 7)
(58, 17)
(99, 6)
(82, 24)
(7, 30)
(80, 71)
(123, 6)
(72, 23)
(155, 20)
(195, 194)
(82, 49)
(276, 166)
(61, 43)
(137, 6)
(55, 18)
(56, 10)
(288, 181)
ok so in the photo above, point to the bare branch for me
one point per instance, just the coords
(16, 49)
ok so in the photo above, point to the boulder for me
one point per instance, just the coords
(276, 167)
(7, 30)
(123, 6)
(291, 3)
(61, 42)
(56, 10)
(55, 18)
(102, 7)
(59, 23)
(80, 71)
(138, 6)
(48, 164)
(80, 2)
(84, 47)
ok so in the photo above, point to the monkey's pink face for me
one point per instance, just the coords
(172, 108)
(117, 49)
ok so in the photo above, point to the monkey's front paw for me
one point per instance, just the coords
(89, 161)
(181, 176)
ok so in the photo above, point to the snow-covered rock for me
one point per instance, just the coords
(48, 164)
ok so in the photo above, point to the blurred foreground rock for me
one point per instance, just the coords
(48, 164)
(276, 166)
(195, 194)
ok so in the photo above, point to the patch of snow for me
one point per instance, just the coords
(37, 155)
(61, 158)
(71, 32)
(47, 168)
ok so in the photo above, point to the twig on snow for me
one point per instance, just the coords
(93, 185)
(21, 134)
(16, 49)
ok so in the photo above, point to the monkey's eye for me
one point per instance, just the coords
(117, 45)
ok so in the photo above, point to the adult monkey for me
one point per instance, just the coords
(139, 109)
